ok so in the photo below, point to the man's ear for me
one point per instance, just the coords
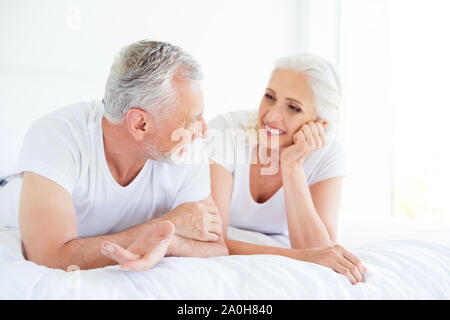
(138, 123)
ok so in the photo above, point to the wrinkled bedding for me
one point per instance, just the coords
(411, 264)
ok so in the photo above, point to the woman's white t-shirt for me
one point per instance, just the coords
(225, 147)
(66, 147)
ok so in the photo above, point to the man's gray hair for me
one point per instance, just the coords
(142, 76)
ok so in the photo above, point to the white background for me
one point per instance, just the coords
(392, 55)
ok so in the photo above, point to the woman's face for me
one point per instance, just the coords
(286, 105)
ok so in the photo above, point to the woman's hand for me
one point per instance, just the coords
(337, 258)
(307, 139)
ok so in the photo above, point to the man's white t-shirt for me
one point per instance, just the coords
(227, 150)
(66, 147)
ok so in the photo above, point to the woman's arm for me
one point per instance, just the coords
(221, 189)
(312, 212)
(334, 257)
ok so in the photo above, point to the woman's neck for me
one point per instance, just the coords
(268, 160)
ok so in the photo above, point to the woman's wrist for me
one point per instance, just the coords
(301, 254)
(291, 167)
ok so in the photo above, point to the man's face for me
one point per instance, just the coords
(182, 126)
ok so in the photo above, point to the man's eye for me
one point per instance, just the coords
(268, 96)
(296, 109)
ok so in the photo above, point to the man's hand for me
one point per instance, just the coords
(146, 251)
(197, 220)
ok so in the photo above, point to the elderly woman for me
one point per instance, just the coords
(291, 181)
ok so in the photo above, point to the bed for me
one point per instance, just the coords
(404, 260)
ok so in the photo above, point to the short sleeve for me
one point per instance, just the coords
(220, 143)
(49, 149)
(196, 184)
(331, 164)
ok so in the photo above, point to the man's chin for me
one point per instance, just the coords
(176, 156)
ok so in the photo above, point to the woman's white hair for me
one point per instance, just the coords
(324, 82)
(142, 76)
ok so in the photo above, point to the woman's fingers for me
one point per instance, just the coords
(351, 262)
(309, 136)
(352, 268)
(322, 134)
(299, 138)
(338, 259)
(354, 260)
(315, 133)
(339, 268)
(117, 253)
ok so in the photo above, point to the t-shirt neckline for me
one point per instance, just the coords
(249, 193)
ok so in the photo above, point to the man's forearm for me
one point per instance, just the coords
(183, 247)
(84, 253)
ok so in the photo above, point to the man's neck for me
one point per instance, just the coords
(121, 153)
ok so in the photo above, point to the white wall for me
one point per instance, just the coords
(48, 59)
(368, 113)
(57, 52)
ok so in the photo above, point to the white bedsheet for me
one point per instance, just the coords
(406, 263)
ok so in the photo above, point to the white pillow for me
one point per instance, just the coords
(10, 143)
(9, 203)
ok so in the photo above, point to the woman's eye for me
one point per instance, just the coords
(296, 109)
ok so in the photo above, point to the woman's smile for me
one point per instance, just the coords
(273, 131)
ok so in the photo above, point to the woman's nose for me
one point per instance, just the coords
(274, 115)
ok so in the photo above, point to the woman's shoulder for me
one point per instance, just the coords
(332, 147)
(327, 162)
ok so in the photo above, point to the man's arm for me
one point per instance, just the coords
(183, 247)
(203, 237)
(48, 225)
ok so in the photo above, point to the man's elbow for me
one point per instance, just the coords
(49, 260)
(53, 259)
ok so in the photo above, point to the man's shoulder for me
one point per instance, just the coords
(77, 119)
(81, 113)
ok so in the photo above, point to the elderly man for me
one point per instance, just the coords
(99, 186)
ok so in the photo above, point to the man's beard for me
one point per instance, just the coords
(171, 157)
